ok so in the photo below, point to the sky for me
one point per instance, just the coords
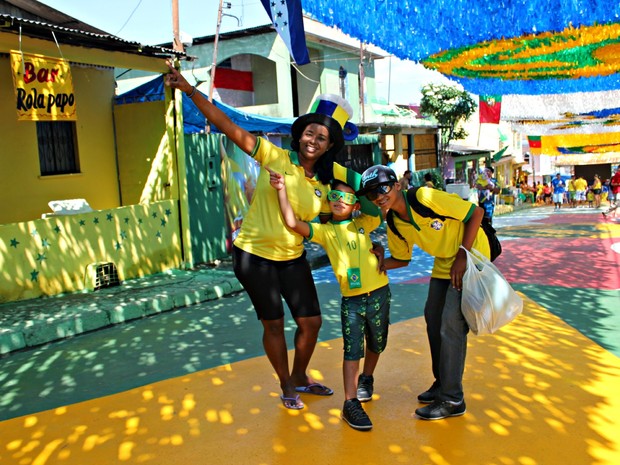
(150, 22)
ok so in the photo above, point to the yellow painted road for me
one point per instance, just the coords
(538, 393)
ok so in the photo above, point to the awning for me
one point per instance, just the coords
(463, 153)
(194, 121)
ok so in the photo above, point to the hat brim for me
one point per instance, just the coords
(365, 190)
(335, 131)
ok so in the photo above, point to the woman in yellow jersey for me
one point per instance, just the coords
(457, 224)
(269, 259)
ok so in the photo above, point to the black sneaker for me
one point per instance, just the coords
(428, 396)
(353, 413)
(441, 409)
(365, 388)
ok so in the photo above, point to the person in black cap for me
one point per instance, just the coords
(455, 223)
(269, 259)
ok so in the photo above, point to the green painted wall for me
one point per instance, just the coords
(207, 217)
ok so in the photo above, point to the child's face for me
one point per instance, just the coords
(385, 195)
(342, 201)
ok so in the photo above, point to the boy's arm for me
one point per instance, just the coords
(469, 236)
(277, 182)
(390, 263)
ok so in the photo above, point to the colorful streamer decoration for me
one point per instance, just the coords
(575, 144)
(591, 148)
(522, 47)
(572, 54)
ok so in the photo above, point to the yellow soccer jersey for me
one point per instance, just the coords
(581, 184)
(438, 238)
(263, 231)
(348, 245)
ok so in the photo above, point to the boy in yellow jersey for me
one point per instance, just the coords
(365, 292)
(455, 224)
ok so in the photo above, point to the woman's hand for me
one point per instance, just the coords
(176, 80)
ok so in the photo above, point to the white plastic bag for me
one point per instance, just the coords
(488, 301)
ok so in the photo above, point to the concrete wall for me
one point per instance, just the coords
(50, 256)
(146, 164)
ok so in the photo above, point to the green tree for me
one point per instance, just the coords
(450, 107)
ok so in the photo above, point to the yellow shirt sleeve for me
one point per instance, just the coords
(263, 231)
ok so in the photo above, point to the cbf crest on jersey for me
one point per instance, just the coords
(437, 225)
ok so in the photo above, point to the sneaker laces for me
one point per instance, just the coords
(356, 412)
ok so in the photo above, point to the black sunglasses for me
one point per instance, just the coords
(382, 189)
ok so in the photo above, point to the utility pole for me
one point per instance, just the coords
(214, 61)
(363, 110)
(177, 44)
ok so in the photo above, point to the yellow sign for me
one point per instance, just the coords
(43, 88)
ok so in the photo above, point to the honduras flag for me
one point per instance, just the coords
(287, 17)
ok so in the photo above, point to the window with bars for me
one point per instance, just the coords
(57, 147)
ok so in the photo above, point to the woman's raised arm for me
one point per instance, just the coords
(245, 140)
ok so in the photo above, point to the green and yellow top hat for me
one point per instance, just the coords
(333, 112)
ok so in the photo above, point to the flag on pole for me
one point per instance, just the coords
(490, 108)
(535, 143)
(497, 156)
(287, 18)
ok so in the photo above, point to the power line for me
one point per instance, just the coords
(128, 19)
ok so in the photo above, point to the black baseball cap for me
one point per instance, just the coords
(374, 177)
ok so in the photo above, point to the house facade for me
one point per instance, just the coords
(119, 191)
(83, 202)
(254, 74)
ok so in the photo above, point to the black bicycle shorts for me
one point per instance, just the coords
(268, 281)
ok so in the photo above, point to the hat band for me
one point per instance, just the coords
(332, 109)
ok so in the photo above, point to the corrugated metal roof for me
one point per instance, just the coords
(35, 10)
(80, 38)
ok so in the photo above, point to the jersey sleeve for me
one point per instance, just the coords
(369, 222)
(445, 204)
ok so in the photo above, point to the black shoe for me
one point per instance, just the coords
(365, 387)
(428, 396)
(353, 413)
(441, 409)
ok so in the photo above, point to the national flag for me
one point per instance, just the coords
(234, 87)
(490, 108)
(535, 143)
(287, 18)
